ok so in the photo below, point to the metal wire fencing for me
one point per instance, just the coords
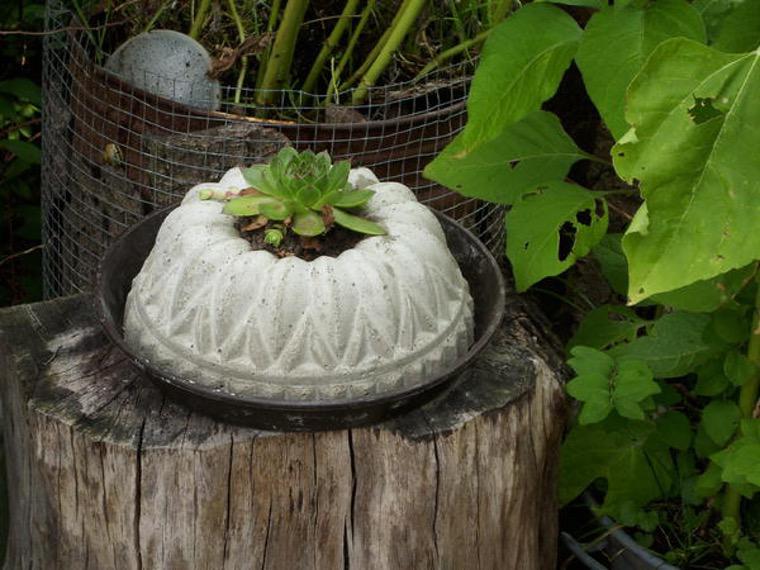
(114, 153)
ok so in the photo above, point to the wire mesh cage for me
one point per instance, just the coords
(114, 153)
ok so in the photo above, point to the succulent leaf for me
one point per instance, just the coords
(301, 186)
(357, 224)
(308, 195)
(274, 236)
(257, 177)
(352, 199)
(309, 224)
(275, 209)
(245, 205)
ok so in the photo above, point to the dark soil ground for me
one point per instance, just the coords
(332, 244)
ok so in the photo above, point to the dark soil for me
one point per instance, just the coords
(332, 244)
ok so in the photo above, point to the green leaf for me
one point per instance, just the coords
(674, 346)
(537, 222)
(308, 224)
(609, 253)
(739, 31)
(22, 88)
(711, 379)
(603, 384)
(709, 483)
(587, 3)
(730, 325)
(592, 384)
(23, 150)
(617, 41)
(708, 295)
(739, 462)
(619, 451)
(357, 224)
(692, 107)
(247, 205)
(352, 198)
(606, 326)
(704, 446)
(275, 209)
(256, 177)
(720, 419)
(738, 368)
(675, 430)
(521, 65)
(713, 13)
(502, 168)
(337, 176)
(308, 195)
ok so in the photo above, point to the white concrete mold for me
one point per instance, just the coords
(390, 313)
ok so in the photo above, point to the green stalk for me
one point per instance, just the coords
(501, 11)
(397, 35)
(278, 65)
(452, 52)
(335, 79)
(747, 401)
(200, 18)
(274, 13)
(329, 45)
(370, 59)
(244, 60)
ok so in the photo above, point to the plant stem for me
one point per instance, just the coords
(274, 13)
(747, 401)
(329, 45)
(501, 11)
(366, 13)
(244, 60)
(278, 64)
(451, 52)
(200, 17)
(397, 35)
(370, 59)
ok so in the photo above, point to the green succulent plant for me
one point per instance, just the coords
(306, 192)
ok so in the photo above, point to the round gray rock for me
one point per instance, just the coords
(168, 64)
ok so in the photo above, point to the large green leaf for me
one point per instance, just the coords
(607, 326)
(526, 153)
(523, 61)
(708, 295)
(674, 346)
(714, 13)
(616, 43)
(695, 112)
(623, 452)
(740, 30)
(555, 214)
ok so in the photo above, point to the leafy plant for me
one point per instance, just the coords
(304, 191)
(20, 103)
(668, 386)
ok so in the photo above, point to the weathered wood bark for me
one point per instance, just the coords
(105, 473)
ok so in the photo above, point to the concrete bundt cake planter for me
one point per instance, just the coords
(238, 327)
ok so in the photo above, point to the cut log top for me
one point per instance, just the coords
(105, 472)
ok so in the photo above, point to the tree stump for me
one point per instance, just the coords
(105, 473)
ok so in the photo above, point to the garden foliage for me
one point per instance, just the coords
(668, 384)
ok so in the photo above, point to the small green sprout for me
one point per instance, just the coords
(274, 236)
(305, 191)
